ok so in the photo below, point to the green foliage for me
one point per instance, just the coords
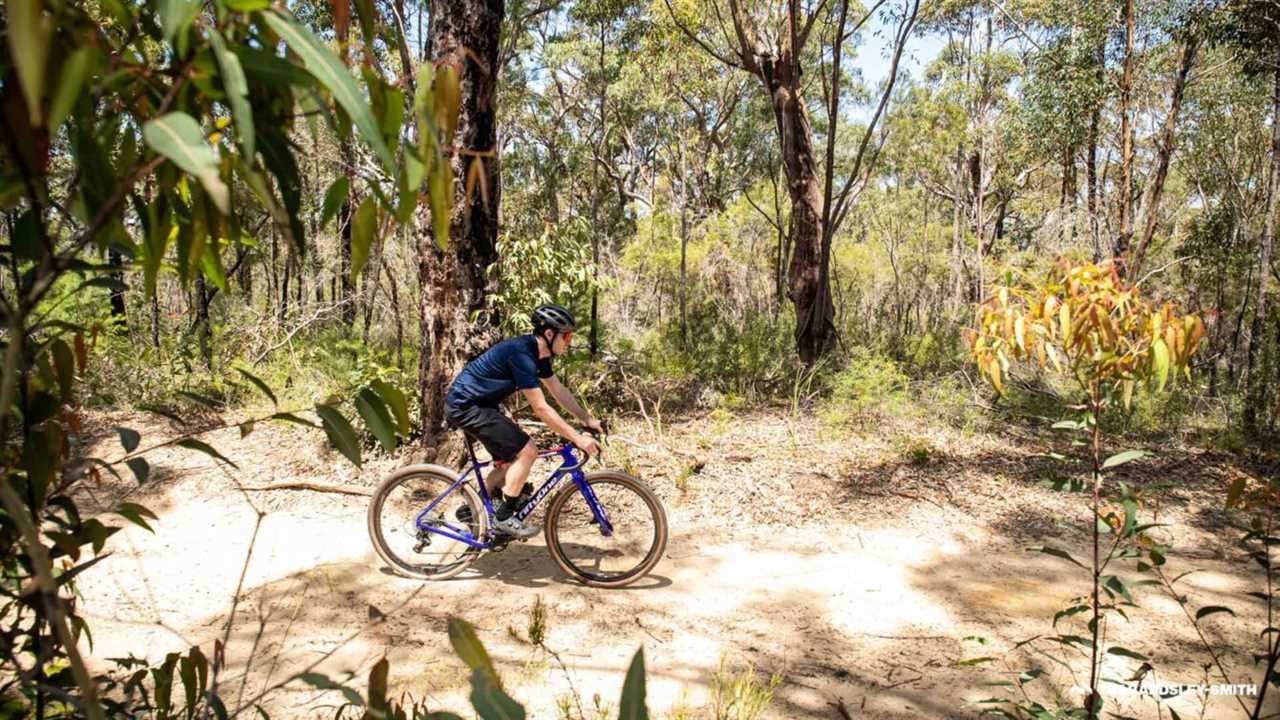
(155, 138)
(1088, 324)
(748, 360)
(870, 387)
(740, 694)
(554, 267)
(915, 450)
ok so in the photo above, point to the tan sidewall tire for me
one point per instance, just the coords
(651, 499)
(447, 477)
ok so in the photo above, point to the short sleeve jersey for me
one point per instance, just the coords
(511, 365)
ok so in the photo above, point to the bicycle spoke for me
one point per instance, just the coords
(406, 533)
(587, 550)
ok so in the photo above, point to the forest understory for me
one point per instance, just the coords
(854, 573)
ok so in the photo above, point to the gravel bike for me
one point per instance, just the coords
(605, 528)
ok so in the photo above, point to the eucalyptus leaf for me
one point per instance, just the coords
(363, 228)
(206, 448)
(376, 418)
(1123, 457)
(70, 81)
(137, 515)
(329, 70)
(29, 32)
(177, 136)
(237, 87)
(341, 435)
(632, 705)
(333, 199)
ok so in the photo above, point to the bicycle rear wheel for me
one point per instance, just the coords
(411, 550)
(579, 545)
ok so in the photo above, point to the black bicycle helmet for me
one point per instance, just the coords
(551, 317)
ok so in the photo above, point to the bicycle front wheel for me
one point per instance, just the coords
(409, 546)
(637, 533)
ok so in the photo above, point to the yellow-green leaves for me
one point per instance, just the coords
(1082, 317)
(237, 88)
(176, 15)
(70, 80)
(447, 99)
(1160, 363)
(29, 31)
(440, 191)
(363, 227)
(436, 111)
(330, 71)
(333, 199)
(177, 137)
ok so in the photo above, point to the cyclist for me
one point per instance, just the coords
(517, 363)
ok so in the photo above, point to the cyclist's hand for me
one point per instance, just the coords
(587, 444)
(596, 427)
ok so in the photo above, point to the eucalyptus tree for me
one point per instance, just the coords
(770, 41)
(464, 39)
(1252, 27)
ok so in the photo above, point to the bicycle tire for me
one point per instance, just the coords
(566, 527)
(393, 543)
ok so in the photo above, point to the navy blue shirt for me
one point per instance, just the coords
(511, 365)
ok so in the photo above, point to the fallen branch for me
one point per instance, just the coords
(340, 489)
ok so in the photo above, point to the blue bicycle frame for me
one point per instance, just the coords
(571, 466)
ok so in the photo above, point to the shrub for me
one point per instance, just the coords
(871, 386)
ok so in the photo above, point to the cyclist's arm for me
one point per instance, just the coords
(547, 414)
(566, 399)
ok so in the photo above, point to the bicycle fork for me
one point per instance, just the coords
(598, 516)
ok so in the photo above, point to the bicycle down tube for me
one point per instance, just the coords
(570, 466)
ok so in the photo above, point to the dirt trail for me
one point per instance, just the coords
(856, 582)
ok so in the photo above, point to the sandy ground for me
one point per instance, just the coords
(855, 581)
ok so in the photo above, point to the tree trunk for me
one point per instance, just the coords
(1091, 179)
(345, 213)
(808, 282)
(369, 279)
(684, 244)
(597, 190)
(116, 260)
(155, 320)
(1150, 206)
(395, 311)
(463, 33)
(957, 235)
(1091, 160)
(284, 289)
(1121, 247)
(807, 286)
(780, 261)
(245, 279)
(200, 298)
(1257, 383)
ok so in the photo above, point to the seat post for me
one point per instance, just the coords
(471, 450)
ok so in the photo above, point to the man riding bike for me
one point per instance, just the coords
(518, 363)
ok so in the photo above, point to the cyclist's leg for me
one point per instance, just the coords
(496, 478)
(518, 470)
(497, 433)
(505, 441)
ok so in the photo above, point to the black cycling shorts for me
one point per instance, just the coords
(497, 432)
